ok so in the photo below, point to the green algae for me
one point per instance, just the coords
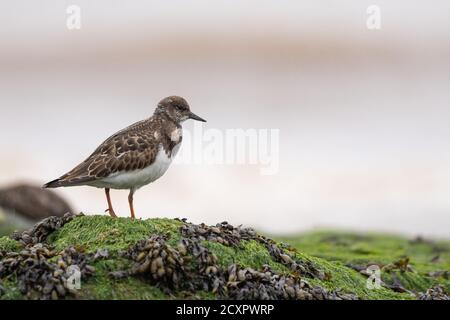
(330, 252)
(11, 291)
(8, 244)
(345, 248)
(250, 254)
(94, 232)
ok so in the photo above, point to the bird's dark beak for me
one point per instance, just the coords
(195, 117)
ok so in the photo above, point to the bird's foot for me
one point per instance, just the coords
(111, 212)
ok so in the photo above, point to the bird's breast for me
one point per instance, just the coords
(176, 135)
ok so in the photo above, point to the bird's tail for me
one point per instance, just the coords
(54, 184)
(68, 181)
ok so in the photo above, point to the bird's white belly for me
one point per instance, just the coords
(138, 178)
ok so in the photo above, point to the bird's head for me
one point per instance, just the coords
(177, 109)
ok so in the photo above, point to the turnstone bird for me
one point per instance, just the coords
(134, 156)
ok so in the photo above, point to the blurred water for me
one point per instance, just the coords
(368, 151)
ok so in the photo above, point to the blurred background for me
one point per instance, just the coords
(363, 114)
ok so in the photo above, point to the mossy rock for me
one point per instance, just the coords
(7, 244)
(94, 232)
(428, 260)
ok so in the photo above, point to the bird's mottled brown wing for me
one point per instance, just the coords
(132, 148)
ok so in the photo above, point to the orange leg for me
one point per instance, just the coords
(110, 208)
(130, 202)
